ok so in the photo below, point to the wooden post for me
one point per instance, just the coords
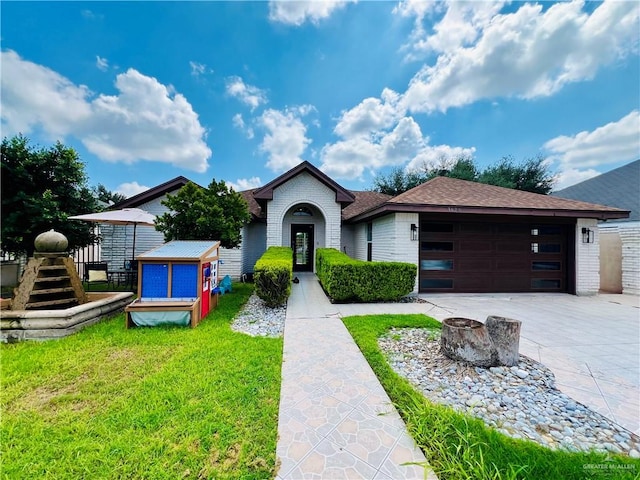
(467, 341)
(505, 335)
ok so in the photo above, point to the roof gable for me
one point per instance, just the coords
(153, 193)
(266, 192)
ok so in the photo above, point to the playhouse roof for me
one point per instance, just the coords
(182, 250)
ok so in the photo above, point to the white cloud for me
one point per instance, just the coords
(247, 94)
(198, 69)
(145, 121)
(238, 122)
(528, 53)
(90, 15)
(285, 140)
(579, 155)
(460, 25)
(298, 12)
(351, 157)
(131, 188)
(242, 184)
(370, 115)
(102, 63)
(571, 176)
(433, 155)
(35, 95)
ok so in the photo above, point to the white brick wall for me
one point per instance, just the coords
(630, 236)
(304, 188)
(392, 239)
(587, 259)
(231, 262)
(358, 249)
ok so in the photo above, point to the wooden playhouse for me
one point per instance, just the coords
(176, 283)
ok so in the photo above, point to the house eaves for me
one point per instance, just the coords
(264, 193)
(449, 195)
(153, 193)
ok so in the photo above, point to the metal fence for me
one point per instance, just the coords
(13, 264)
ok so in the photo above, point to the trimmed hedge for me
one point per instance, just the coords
(272, 275)
(346, 279)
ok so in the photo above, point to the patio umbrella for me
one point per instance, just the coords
(125, 216)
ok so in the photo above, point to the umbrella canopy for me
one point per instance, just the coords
(125, 216)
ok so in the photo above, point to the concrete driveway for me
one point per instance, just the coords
(592, 344)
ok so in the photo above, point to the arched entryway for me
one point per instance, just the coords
(304, 231)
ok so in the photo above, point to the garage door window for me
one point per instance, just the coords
(437, 246)
(436, 265)
(545, 248)
(545, 265)
(428, 227)
(437, 283)
(544, 283)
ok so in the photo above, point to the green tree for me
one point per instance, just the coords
(213, 213)
(532, 175)
(41, 187)
(463, 168)
(398, 181)
(106, 196)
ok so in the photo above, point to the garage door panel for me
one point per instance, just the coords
(493, 256)
(464, 265)
(474, 246)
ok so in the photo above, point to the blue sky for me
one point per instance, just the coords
(243, 91)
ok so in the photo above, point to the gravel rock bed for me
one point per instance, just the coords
(520, 401)
(257, 319)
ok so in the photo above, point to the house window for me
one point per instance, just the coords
(302, 212)
(369, 241)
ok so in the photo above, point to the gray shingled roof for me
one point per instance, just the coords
(619, 188)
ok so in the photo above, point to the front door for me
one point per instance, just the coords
(302, 245)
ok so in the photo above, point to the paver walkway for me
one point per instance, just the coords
(335, 421)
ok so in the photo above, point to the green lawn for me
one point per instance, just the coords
(143, 403)
(460, 447)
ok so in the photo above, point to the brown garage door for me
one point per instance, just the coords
(493, 256)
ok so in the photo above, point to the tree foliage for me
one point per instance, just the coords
(532, 175)
(213, 213)
(106, 196)
(41, 187)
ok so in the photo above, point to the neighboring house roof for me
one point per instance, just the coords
(266, 192)
(153, 193)
(450, 195)
(618, 188)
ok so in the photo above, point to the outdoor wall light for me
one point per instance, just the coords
(414, 232)
(587, 235)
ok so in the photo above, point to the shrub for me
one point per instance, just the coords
(347, 279)
(272, 275)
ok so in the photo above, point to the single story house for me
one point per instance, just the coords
(619, 238)
(464, 236)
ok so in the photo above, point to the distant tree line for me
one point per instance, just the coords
(531, 175)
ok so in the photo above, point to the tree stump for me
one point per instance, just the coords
(467, 341)
(505, 335)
